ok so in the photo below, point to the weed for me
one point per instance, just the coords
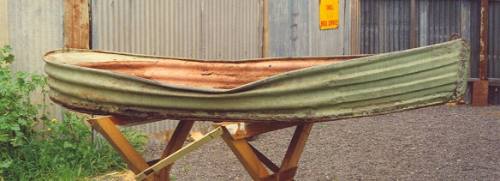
(33, 147)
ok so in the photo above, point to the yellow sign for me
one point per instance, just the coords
(328, 14)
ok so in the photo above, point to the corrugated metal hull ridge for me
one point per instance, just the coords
(441, 19)
(294, 30)
(359, 87)
(35, 27)
(219, 29)
(385, 24)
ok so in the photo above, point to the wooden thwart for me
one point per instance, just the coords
(256, 163)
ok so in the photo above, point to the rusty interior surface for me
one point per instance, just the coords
(210, 74)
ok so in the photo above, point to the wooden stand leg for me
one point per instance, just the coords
(108, 129)
(289, 164)
(178, 138)
(254, 161)
(246, 155)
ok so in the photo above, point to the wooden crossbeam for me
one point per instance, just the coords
(248, 130)
(179, 154)
(266, 161)
(254, 129)
(246, 156)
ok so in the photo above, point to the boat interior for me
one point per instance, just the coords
(215, 74)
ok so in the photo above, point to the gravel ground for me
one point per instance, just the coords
(435, 143)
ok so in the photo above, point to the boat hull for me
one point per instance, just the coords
(362, 86)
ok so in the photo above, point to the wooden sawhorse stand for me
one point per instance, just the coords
(235, 137)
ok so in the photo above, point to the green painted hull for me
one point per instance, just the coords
(365, 86)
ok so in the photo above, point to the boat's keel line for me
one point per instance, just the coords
(256, 163)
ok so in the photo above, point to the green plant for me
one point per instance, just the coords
(33, 147)
(66, 150)
(17, 114)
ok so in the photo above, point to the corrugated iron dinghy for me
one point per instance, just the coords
(274, 89)
(269, 94)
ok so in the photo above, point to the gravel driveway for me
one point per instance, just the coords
(435, 143)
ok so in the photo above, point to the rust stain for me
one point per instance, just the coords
(221, 75)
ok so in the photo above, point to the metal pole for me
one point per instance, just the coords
(480, 91)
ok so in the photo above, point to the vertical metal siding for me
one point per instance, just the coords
(220, 29)
(284, 24)
(294, 30)
(155, 27)
(444, 20)
(494, 40)
(35, 27)
(4, 25)
(494, 48)
(231, 29)
(384, 26)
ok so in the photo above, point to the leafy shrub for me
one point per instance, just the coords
(17, 114)
(65, 149)
(33, 147)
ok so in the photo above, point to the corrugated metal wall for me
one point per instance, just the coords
(232, 29)
(440, 19)
(4, 23)
(494, 48)
(218, 29)
(494, 39)
(294, 30)
(35, 27)
(385, 26)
